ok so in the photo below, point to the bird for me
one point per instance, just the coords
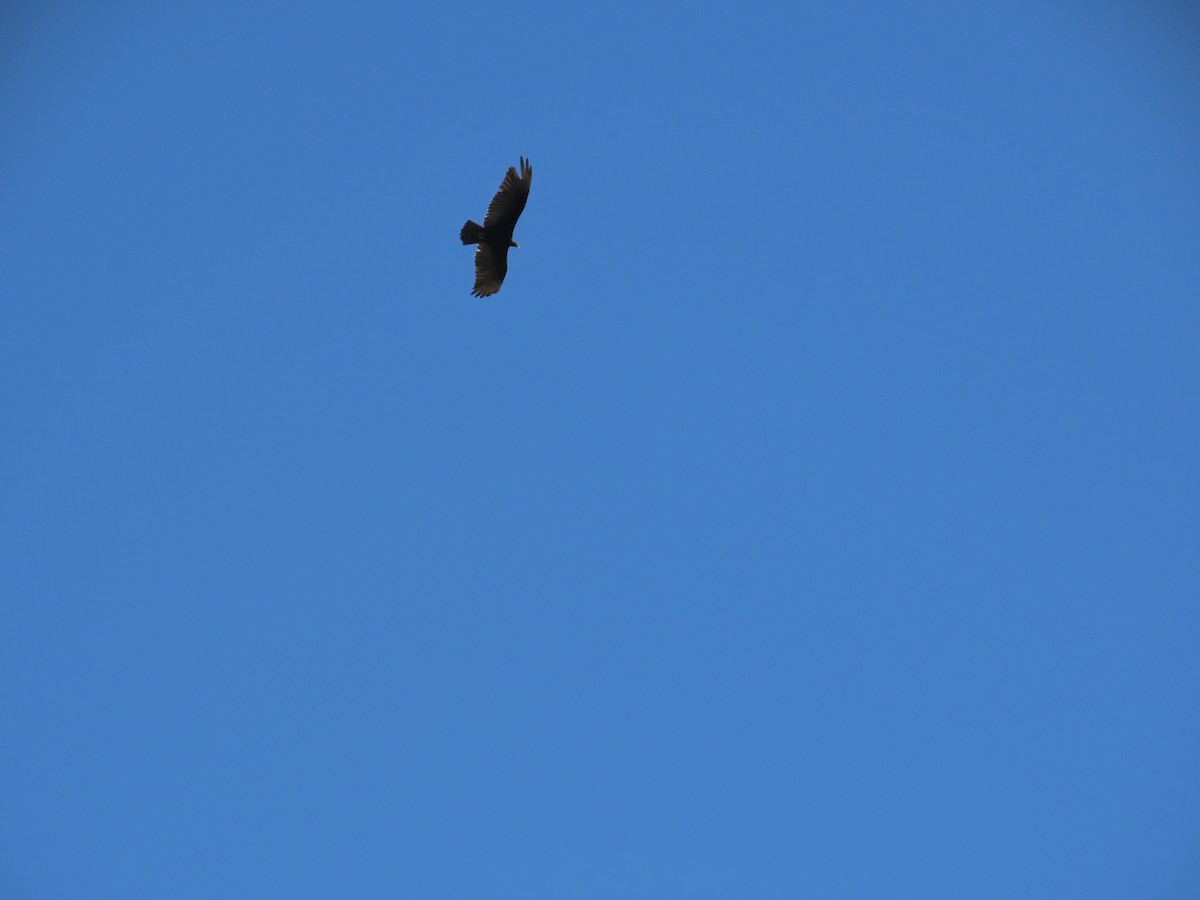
(494, 236)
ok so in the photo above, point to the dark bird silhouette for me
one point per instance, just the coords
(494, 236)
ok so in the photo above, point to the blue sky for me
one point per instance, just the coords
(814, 512)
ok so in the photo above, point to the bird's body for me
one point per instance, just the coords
(494, 236)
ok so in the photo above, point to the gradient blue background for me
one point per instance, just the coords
(813, 514)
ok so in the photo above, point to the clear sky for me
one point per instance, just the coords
(814, 513)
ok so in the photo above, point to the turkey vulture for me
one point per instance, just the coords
(494, 236)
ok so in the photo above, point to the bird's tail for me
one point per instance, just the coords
(471, 232)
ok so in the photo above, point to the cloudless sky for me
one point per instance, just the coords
(814, 513)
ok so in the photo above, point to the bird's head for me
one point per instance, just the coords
(513, 244)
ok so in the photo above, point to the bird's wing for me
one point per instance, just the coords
(491, 265)
(509, 201)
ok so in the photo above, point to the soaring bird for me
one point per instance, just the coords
(494, 236)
